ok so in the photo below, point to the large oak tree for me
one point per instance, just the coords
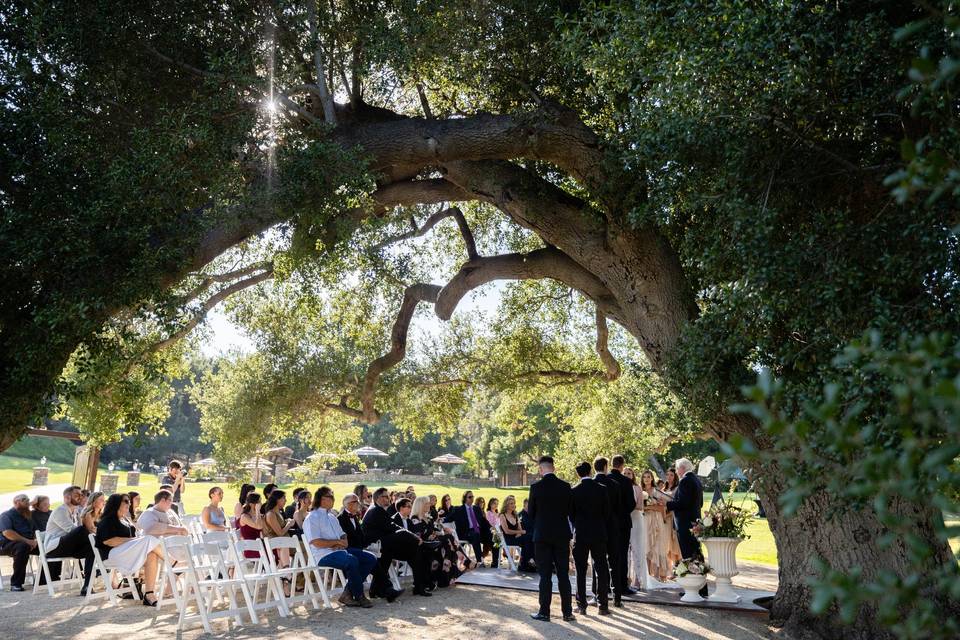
(710, 176)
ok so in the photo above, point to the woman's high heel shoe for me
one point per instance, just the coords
(149, 603)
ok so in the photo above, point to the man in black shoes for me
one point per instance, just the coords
(590, 513)
(550, 502)
(600, 465)
(624, 510)
(686, 506)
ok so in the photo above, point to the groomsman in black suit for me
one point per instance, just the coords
(395, 543)
(686, 506)
(590, 513)
(613, 531)
(623, 509)
(550, 502)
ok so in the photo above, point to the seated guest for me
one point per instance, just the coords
(18, 541)
(212, 516)
(155, 521)
(446, 504)
(291, 508)
(433, 508)
(441, 550)
(402, 516)
(302, 510)
(515, 535)
(472, 526)
(245, 490)
(86, 496)
(524, 514)
(350, 521)
(396, 543)
(134, 505)
(330, 547)
(363, 494)
(40, 512)
(117, 540)
(392, 508)
(90, 515)
(66, 538)
(276, 526)
(251, 522)
(268, 489)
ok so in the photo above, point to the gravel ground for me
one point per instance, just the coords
(461, 611)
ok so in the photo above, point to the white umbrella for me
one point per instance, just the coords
(369, 451)
(706, 466)
(448, 458)
(206, 462)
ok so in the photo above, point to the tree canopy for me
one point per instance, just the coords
(679, 194)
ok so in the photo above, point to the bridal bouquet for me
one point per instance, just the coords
(691, 566)
(722, 521)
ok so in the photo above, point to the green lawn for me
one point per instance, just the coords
(17, 473)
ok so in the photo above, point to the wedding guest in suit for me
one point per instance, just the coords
(600, 466)
(590, 512)
(624, 510)
(550, 502)
(402, 516)
(686, 506)
(350, 521)
(524, 515)
(515, 535)
(394, 543)
(471, 525)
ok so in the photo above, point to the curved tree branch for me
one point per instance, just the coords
(414, 295)
(609, 362)
(430, 223)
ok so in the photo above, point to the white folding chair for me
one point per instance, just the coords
(392, 571)
(326, 577)
(106, 569)
(175, 551)
(69, 571)
(256, 571)
(508, 550)
(204, 582)
(299, 565)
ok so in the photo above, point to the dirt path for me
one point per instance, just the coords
(459, 612)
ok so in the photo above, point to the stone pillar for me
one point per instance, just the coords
(281, 472)
(40, 476)
(108, 483)
(133, 478)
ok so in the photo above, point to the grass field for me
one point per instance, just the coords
(17, 473)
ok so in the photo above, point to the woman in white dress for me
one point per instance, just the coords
(117, 541)
(638, 536)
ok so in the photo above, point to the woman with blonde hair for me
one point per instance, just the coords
(93, 510)
(441, 561)
(515, 535)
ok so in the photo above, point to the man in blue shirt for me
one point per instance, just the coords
(18, 539)
(328, 546)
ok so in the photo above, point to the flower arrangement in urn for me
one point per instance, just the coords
(691, 567)
(722, 520)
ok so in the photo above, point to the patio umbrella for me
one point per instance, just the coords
(206, 462)
(369, 451)
(448, 458)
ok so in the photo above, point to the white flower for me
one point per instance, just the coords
(708, 521)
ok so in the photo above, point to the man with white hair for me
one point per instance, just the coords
(686, 506)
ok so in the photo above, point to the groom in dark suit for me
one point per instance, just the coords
(550, 500)
(686, 506)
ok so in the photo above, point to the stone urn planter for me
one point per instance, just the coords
(691, 584)
(722, 557)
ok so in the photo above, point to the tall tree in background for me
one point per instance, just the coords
(707, 176)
